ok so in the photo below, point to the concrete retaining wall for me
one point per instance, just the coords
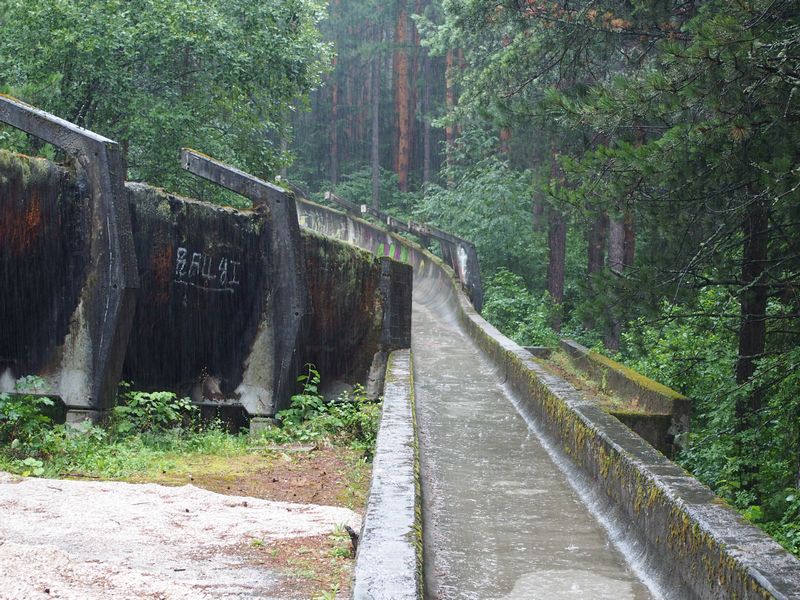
(44, 242)
(629, 385)
(389, 559)
(699, 547)
(360, 310)
(223, 313)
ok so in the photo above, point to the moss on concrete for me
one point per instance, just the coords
(638, 378)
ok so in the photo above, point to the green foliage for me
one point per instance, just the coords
(22, 415)
(517, 313)
(350, 420)
(143, 412)
(754, 468)
(489, 204)
(356, 187)
(217, 75)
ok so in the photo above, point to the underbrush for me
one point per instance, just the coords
(151, 432)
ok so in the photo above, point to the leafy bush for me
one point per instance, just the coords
(22, 415)
(517, 313)
(350, 420)
(755, 466)
(152, 411)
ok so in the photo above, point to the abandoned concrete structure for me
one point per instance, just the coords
(116, 280)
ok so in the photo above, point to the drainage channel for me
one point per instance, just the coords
(500, 519)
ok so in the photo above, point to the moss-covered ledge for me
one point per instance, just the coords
(642, 391)
(389, 559)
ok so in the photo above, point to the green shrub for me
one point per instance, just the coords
(509, 306)
(23, 415)
(142, 412)
(351, 420)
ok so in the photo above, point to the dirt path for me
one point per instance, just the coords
(88, 540)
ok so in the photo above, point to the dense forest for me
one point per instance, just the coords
(629, 171)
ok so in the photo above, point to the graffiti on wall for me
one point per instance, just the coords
(206, 272)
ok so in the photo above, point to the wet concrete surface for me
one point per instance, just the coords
(500, 519)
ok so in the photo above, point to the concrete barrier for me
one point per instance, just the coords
(458, 253)
(234, 302)
(658, 414)
(360, 310)
(224, 312)
(389, 559)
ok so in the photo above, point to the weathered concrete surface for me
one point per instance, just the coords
(224, 311)
(288, 296)
(459, 254)
(83, 366)
(44, 242)
(501, 520)
(207, 320)
(389, 560)
(698, 547)
(660, 414)
(360, 305)
(203, 322)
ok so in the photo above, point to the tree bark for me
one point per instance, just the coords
(449, 102)
(616, 264)
(375, 87)
(557, 248)
(334, 149)
(505, 140)
(402, 96)
(596, 251)
(629, 238)
(616, 245)
(426, 119)
(753, 303)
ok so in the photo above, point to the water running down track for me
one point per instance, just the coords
(500, 519)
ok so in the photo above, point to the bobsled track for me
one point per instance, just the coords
(492, 478)
(526, 489)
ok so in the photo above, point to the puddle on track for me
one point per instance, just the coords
(500, 518)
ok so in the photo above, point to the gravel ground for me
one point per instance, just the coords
(88, 540)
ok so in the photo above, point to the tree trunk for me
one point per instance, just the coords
(505, 139)
(449, 102)
(375, 87)
(334, 149)
(616, 263)
(629, 238)
(557, 248)
(616, 245)
(426, 119)
(596, 251)
(753, 303)
(402, 97)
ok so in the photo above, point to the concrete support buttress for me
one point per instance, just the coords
(288, 303)
(92, 355)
